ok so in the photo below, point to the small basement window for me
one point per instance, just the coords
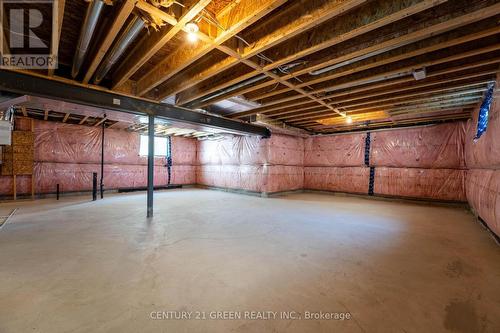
(484, 111)
(161, 146)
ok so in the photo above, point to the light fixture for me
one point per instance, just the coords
(192, 30)
(348, 120)
(419, 74)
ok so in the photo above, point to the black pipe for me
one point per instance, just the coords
(94, 186)
(151, 162)
(57, 192)
(102, 159)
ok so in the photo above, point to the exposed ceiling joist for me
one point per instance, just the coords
(355, 68)
(417, 50)
(57, 22)
(83, 120)
(479, 87)
(146, 49)
(376, 14)
(66, 116)
(381, 77)
(241, 16)
(382, 106)
(302, 16)
(460, 103)
(398, 42)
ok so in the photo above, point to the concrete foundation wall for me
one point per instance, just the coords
(252, 164)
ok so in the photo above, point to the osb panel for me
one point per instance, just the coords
(18, 158)
(22, 138)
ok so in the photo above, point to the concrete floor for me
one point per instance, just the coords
(79, 266)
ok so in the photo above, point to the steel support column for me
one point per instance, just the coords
(101, 185)
(151, 163)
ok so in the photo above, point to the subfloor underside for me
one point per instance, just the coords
(81, 266)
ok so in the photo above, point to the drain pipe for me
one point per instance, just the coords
(90, 22)
(126, 38)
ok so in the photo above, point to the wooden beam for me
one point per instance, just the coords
(298, 113)
(66, 116)
(299, 17)
(457, 103)
(46, 114)
(284, 109)
(413, 109)
(365, 52)
(319, 128)
(242, 15)
(84, 119)
(403, 71)
(393, 90)
(143, 52)
(57, 22)
(377, 14)
(389, 59)
(325, 129)
(23, 110)
(378, 85)
(433, 45)
(120, 19)
(381, 106)
(100, 122)
(157, 12)
(445, 103)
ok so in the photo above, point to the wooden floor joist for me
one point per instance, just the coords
(382, 48)
(150, 46)
(304, 15)
(391, 59)
(295, 63)
(244, 14)
(393, 82)
(461, 96)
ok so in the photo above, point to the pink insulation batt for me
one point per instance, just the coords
(68, 154)
(336, 150)
(338, 179)
(482, 157)
(483, 194)
(252, 164)
(439, 184)
(436, 146)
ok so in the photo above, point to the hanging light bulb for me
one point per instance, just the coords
(192, 30)
(348, 120)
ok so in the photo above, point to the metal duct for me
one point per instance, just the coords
(128, 35)
(90, 22)
(230, 89)
(260, 77)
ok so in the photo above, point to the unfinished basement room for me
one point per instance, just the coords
(208, 166)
